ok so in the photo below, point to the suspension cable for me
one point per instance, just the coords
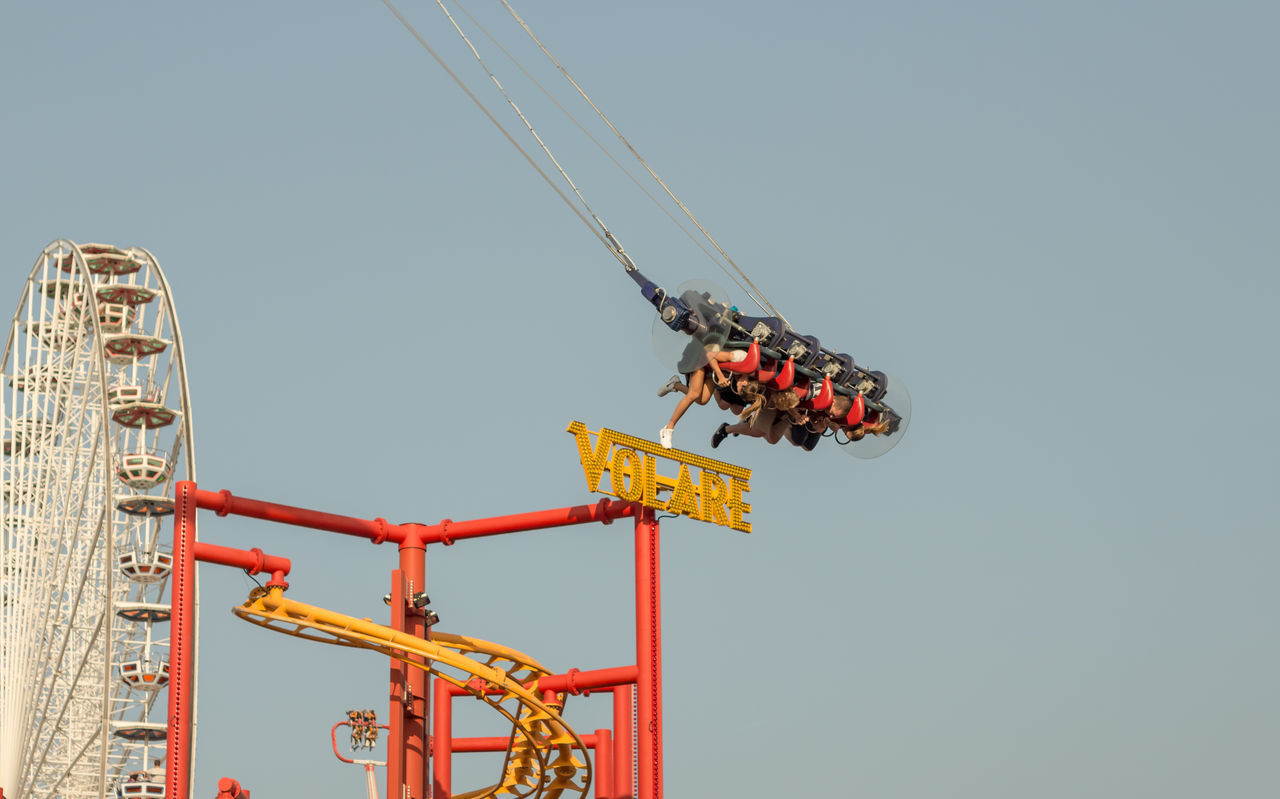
(603, 234)
(657, 204)
(758, 297)
(609, 239)
(546, 150)
(604, 239)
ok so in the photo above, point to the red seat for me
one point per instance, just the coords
(823, 398)
(748, 364)
(801, 387)
(768, 370)
(786, 376)
(858, 411)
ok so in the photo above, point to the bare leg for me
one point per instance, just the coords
(773, 433)
(697, 391)
(778, 430)
(742, 429)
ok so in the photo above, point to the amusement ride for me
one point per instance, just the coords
(99, 616)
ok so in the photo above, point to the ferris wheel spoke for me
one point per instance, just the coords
(62, 610)
(75, 760)
(71, 613)
(75, 682)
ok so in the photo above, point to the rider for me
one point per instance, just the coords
(696, 389)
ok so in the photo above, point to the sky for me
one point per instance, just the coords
(1054, 222)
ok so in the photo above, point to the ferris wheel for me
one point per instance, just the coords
(96, 428)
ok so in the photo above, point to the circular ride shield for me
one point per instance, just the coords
(687, 352)
(873, 446)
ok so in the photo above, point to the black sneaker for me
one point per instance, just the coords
(721, 433)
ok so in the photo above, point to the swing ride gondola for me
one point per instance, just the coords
(777, 357)
(779, 360)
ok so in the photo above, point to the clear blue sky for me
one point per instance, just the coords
(1057, 223)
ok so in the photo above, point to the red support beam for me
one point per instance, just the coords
(223, 502)
(499, 743)
(396, 688)
(182, 594)
(605, 511)
(573, 682)
(379, 530)
(495, 743)
(624, 764)
(417, 708)
(604, 765)
(251, 560)
(442, 741)
(648, 657)
(576, 682)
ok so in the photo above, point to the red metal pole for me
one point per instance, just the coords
(648, 657)
(181, 644)
(396, 686)
(442, 741)
(604, 765)
(624, 766)
(416, 761)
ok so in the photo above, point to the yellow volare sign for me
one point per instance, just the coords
(632, 463)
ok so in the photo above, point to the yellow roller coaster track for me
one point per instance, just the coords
(545, 758)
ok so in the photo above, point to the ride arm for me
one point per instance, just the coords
(674, 313)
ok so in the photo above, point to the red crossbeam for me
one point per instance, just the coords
(380, 530)
(573, 682)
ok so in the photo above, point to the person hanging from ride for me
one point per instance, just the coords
(773, 415)
(695, 387)
(873, 424)
(768, 414)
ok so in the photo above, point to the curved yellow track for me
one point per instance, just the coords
(545, 758)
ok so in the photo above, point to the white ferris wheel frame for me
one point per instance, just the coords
(85, 405)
